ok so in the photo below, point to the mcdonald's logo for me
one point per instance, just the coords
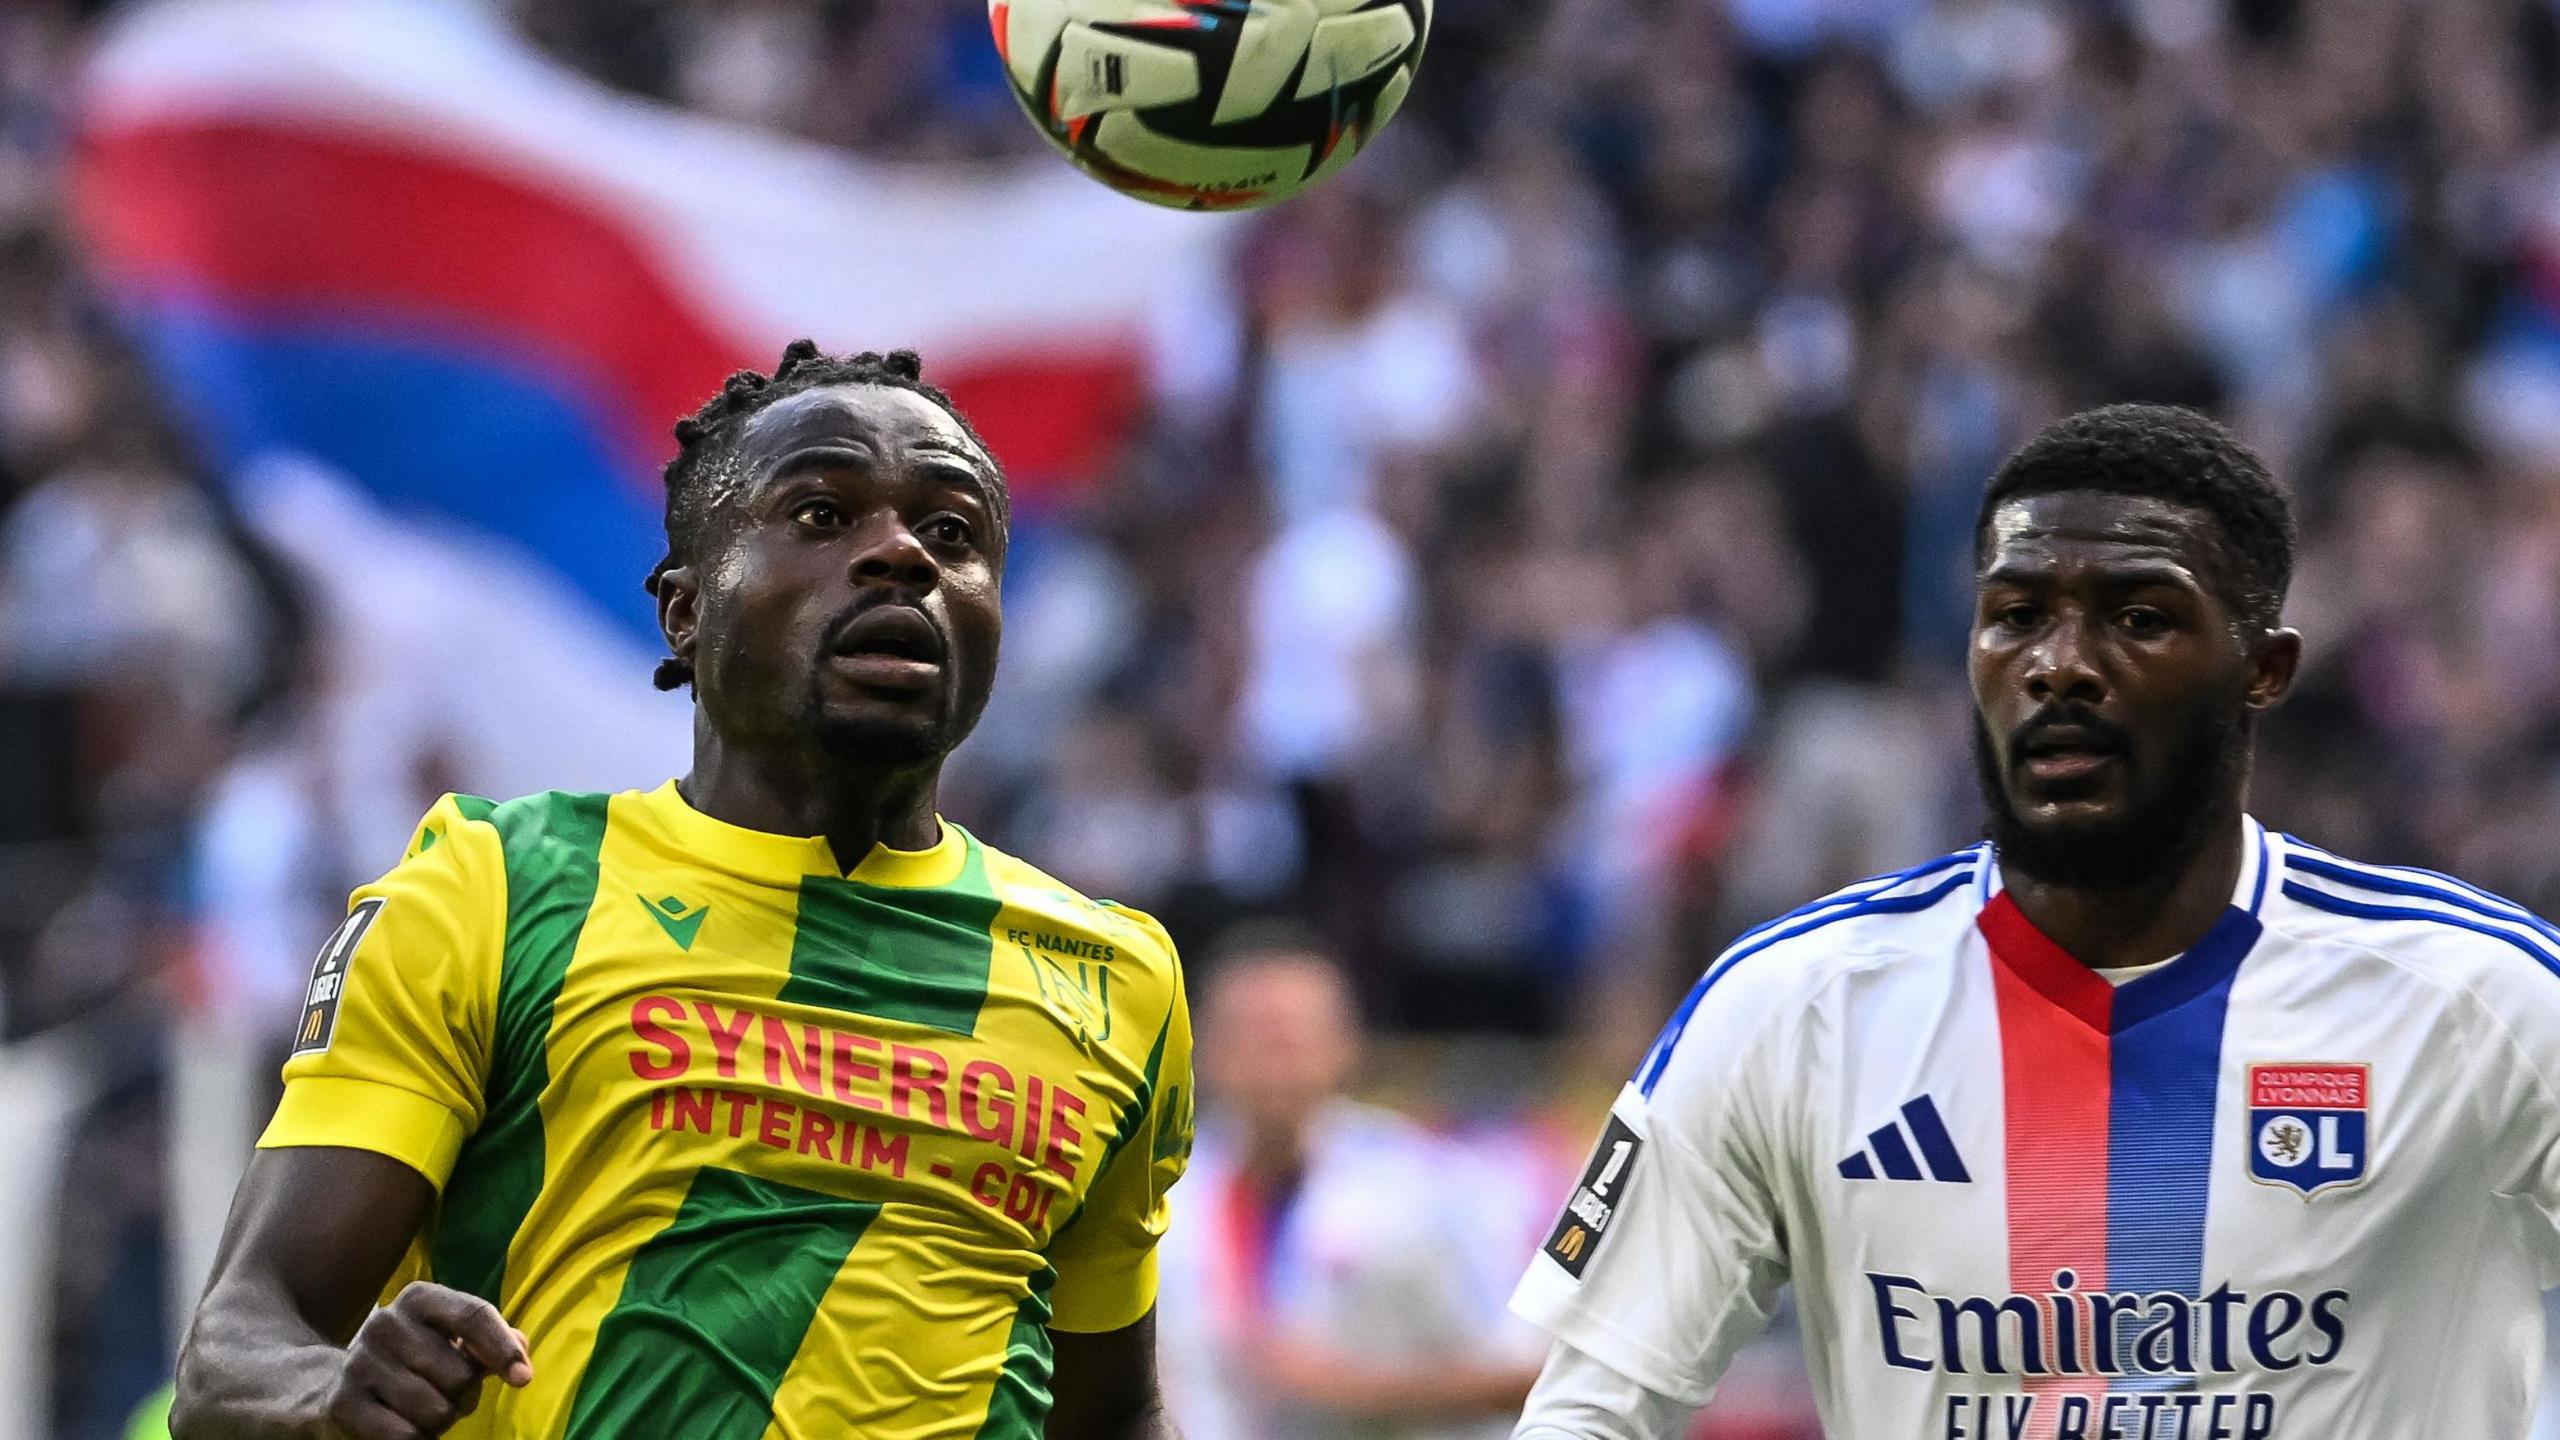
(1594, 1204)
(329, 977)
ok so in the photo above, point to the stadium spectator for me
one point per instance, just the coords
(1338, 1271)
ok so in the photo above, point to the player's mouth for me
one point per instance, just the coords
(2064, 754)
(889, 647)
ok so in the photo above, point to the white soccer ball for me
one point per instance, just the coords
(1210, 104)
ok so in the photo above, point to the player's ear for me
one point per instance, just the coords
(2274, 660)
(679, 593)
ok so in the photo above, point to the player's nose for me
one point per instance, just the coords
(2062, 664)
(886, 552)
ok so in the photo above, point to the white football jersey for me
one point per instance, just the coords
(2301, 1182)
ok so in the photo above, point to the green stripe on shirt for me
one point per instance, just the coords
(551, 841)
(921, 955)
(713, 1309)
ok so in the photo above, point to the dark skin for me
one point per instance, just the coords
(282, 1343)
(843, 624)
(862, 507)
(2121, 609)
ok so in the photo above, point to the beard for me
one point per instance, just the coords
(880, 737)
(878, 745)
(2157, 833)
(878, 741)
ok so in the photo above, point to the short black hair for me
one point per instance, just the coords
(1268, 937)
(2171, 453)
(700, 475)
(1270, 940)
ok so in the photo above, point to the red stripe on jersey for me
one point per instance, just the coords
(2054, 1075)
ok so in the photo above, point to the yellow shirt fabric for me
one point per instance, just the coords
(748, 1145)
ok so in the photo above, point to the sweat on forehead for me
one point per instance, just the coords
(2186, 469)
(2086, 515)
(707, 472)
(852, 401)
(872, 416)
(2153, 536)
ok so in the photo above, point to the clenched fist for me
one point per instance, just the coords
(416, 1365)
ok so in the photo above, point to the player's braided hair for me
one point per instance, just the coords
(2166, 452)
(702, 475)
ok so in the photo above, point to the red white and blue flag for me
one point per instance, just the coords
(388, 236)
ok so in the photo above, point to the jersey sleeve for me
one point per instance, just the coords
(1668, 1256)
(390, 1053)
(1106, 1258)
(2524, 1003)
(1578, 1398)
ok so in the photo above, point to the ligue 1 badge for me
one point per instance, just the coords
(2308, 1125)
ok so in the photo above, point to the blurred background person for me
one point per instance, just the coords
(1337, 1269)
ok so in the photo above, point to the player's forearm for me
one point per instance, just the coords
(1155, 1424)
(1103, 1385)
(1344, 1386)
(252, 1369)
(1459, 1392)
(1147, 1422)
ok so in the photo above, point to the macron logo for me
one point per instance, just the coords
(1888, 1153)
(676, 918)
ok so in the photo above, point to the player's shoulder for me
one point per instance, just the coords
(1047, 913)
(521, 843)
(2422, 920)
(1778, 967)
(547, 827)
(1915, 912)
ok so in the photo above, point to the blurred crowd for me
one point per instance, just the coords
(1554, 548)
(1551, 550)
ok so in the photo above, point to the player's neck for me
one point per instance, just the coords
(853, 809)
(2142, 924)
(1274, 1156)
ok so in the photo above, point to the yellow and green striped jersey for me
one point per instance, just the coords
(746, 1144)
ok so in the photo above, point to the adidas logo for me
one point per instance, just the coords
(1888, 1153)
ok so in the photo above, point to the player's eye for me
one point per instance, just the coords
(818, 512)
(947, 529)
(2017, 616)
(2143, 620)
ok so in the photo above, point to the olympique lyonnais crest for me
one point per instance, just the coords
(2309, 1124)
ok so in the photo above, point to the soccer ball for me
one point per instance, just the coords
(1210, 104)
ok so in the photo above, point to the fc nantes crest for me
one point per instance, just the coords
(2308, 1125)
